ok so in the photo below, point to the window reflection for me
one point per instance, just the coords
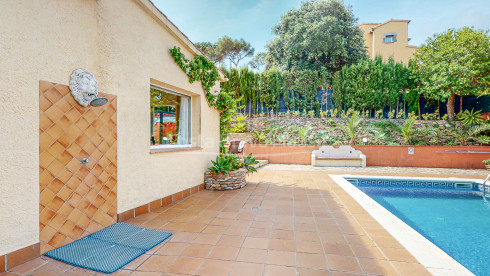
(170, 118)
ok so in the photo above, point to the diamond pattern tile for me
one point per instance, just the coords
(76, 199)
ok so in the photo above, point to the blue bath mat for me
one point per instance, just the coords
(109, 249)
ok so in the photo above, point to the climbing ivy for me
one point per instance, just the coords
(204, 70)
(199, 69)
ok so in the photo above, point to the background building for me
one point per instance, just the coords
(388, 39)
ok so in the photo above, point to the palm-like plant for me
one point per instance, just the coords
(351, 127)
(248, 162)
(469, 118)
(407, 129)
(221, 165)
(303, 133)
(260, 136)
(322, 136)
(461, 133)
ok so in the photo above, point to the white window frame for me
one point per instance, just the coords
(166, 90)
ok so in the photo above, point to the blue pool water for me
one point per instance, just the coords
(457, 221)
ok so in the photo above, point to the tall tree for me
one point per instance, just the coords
(321, 35)
(371, 84)
(235, 50)
(258, 61)
(212, 51)
(456, 62)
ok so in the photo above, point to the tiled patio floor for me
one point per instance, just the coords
(284, 222)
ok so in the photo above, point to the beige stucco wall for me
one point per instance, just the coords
(124, 45)
(368, 37)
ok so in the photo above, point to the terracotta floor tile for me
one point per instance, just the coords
(328, 228)
(252, 255)
(359, 239)
(378, 267)
(338, 249)
(262, 224)
(235, 241)
(282, 234)
(215, 268)
(259, 233)
(173, 226)
(303, 218)
(341, 273)
(172, 248)
(281, 245)
(246, 269)
(224, 253)
(30, 265)
(307, 236)
(214, 229)
(283, 226)
(204, 238)
(77, 271)
(154, 224)
(309, 247)
(136, 262)
(401, 255)
(183, 237)
(316, 261)
(197, 250)
(387, 242)
(312, 272)
(156, 263)
(220, 222)
(281, 258)
(258, 243)
(120, 272)
(410, 269)
(241, 223)
(53, 268)
(185, 265)
(343, 263)
(236, 231)
(305, 227)
(184, 219)
(190, 227)
(277, 270)
(332, 238)
(362, 251)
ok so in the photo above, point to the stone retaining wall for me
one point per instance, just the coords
(225, 181)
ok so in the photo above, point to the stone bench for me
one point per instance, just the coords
(343, 156)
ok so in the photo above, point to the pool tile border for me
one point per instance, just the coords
(429, 255)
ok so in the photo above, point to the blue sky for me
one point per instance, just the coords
(252, 20)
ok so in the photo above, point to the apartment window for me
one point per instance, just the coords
(389, 37)
(170, 118)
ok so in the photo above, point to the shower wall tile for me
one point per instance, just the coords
(76, 199)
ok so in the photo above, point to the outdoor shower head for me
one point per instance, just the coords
(98, 101)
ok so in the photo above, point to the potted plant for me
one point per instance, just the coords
(229, 172)
(487, 163)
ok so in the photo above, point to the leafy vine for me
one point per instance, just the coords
(204, 70)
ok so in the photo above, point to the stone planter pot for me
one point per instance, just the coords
(487, 166)
(225, 181)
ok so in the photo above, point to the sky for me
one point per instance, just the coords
(252, 20)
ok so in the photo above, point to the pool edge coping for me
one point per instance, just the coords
(434, 259)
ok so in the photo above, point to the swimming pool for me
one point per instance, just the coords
(448, 213)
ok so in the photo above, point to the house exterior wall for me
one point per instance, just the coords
(368, 37)
(399, 50)
(125, 45)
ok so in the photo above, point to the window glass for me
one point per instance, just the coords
(170, 118)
